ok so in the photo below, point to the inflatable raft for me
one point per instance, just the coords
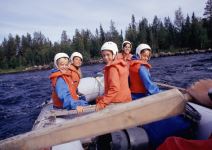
(139, 137)
(134, 125)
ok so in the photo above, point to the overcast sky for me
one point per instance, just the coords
(51, 17)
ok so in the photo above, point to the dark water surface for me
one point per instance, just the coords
(21, 94)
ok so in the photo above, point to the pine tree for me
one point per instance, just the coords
(208, 20)
(170, 38)
(131, 33)
(179, 19)
(142, 31)
(196, 32)
(114, 34)
(208, 10)
(186, 33)
(64, 37)
(155, 32)
(9, 47)
(102, 35)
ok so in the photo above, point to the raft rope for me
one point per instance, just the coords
(192, 113)
(100, 84)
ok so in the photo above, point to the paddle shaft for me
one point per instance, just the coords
(170, 86)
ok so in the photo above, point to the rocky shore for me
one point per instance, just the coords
(188, 52)
(40, 67)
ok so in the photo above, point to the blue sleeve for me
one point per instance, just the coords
(146, 78)
(135, 57)
(64, 95)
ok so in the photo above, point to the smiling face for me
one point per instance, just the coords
(127, 48)
(107, 56)
(77, 61)
(62, 64)
(145, 55)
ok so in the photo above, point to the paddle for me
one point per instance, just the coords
(170, 86)
(200, 91)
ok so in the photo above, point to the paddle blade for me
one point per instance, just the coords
(199, 91)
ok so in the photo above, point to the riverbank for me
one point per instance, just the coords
(24, 69)
(96, 61)
(187, 52)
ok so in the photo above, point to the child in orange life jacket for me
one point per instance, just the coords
(63, 93)
(115, 77)
(75, 63)
(140, 80)
(125, 52)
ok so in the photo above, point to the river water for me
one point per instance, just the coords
(21, 94)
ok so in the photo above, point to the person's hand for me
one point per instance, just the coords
(79, 109)
(74, 104)
(199, 91)
(99, 98)
(100, 105)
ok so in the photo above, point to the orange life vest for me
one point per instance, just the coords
(124, 57)
(116, 83)
(75, 76)
(136, 83)
(68, 80)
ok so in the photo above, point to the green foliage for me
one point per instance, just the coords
(179, 19)
(208, 21)
(184, 34)
(208, 10)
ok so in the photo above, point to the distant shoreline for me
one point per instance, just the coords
(188, 52)
(97, 61)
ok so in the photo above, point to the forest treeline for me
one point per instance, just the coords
(184, 33)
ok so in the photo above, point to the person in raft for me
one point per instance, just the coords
(140, 81)
(63, 89)
(115, 77)
(75, 62)
(126, 51)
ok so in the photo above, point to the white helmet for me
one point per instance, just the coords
(128, 42)
(142, 47)
(110, 46)
(58, 56)
(75, 54)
